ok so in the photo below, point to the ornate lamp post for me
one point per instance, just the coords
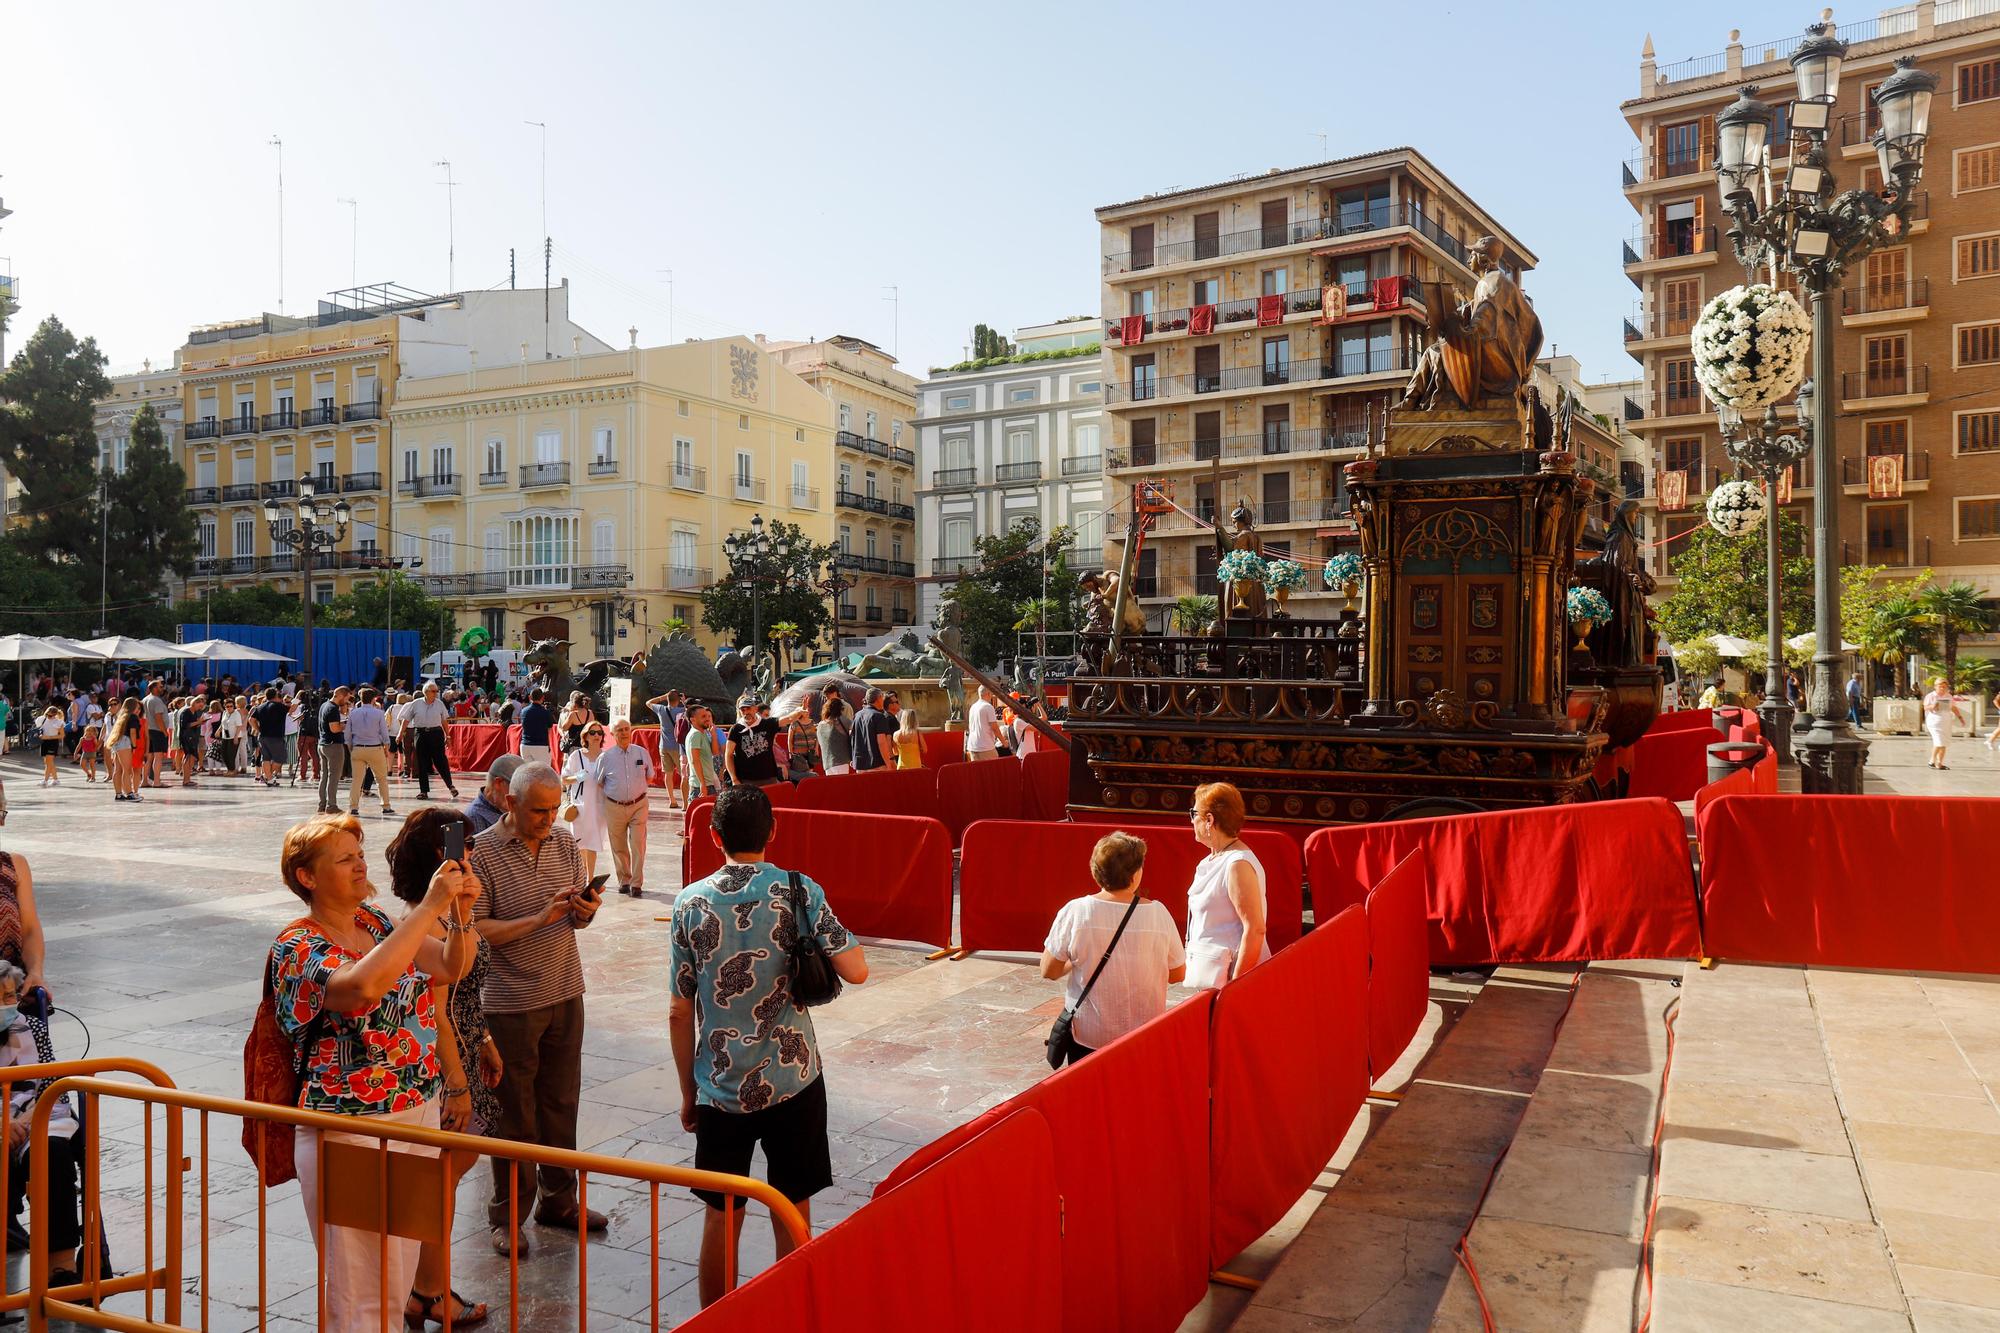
(1768, 450)
(1803, 227)
(320, 527)
(750, 556)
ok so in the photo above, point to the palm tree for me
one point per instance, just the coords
(784, 634)
(1893, 633)
(1193, 614)
(1953, 610)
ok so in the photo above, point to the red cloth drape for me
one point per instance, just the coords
(1270, 310)
(911, 791)
(1131, 1135)
(1563, 883)
(694, 821)
(1900, 882)
(1672, 764)
(471, 747)
(1742, 782)
(1399, 979)
(1132, 330)
(1764, 773)
(1288, 1070)
(1201, 319)
(1683, 719)
(1045, 783)
(885, 876)
(943, 747)
(992, 789)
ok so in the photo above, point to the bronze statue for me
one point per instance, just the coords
(1485, 348)
(1246, 599)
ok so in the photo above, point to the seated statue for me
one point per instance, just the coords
(1485, 348)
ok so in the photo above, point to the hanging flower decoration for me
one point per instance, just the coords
(1287, 574)
(1342, 570)
(1587, 607)
(1240, 567)
(1750, 346)
(1735, 508)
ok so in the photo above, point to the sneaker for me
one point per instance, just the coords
(355, 813)
(507, 1241)
(388, 810)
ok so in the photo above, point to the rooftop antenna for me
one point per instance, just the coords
(1321, 134)
(895, 300)
(279, 144)
(354, 243)
(543, 127)
(450, 228)
(669, 273)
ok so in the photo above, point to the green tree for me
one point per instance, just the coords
(372, 604)
(1721, 585)
(151, 529)
(1952, 610)
(986, 601)
(1195, 612)
(48, 440)
(1878, 616)
(787, 578)
(256, 604)
(989, 342)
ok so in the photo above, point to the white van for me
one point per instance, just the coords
(451, 663)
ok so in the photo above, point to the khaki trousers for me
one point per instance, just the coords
(625, 826)
(368, 759)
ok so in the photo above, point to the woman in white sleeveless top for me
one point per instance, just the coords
(1226, 901)
(586, 797)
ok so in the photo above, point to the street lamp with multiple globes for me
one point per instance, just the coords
(1767, 449)
(320, 527)
(1803, 227)
(751, 555)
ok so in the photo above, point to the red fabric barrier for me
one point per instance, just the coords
(1742, 782)
(1131, 1133)
(694, 819)
(943, 747)
(1671, 764)
(1013, 876)
(911, 792)
(993, 789)
(1290, 1047)
(977, 1234)
(1683, 720)
(471, 747)
(1045, 785)
(1899, 882)
(885, 876)
(1399, 979)
(1563, 883)
(1764, 773)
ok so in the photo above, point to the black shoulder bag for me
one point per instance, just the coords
(814, 982)
(1061, 1045)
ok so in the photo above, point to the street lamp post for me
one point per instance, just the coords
(393, 564)
(320, 527)
(751, 556)
(1803, 227)
(1768, 450)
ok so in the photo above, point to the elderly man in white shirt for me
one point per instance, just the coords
(424, 721)
(625, 773)
(982, 727)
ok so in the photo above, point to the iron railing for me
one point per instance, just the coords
(205, 429)
(1916, 467)
(1376, 215)
(690, 478)
(320, 416)
(805, 497)
(280, 490)
(1655, 244)
(682, 578)
(1083, 465)
(203, 495)
(493, 478)
(954, 565)
(873, 504)
(1017, 472)
(286, 419)
(361, 481)
(369, 411)
(746, 488)
(895, 453)
(956, 478)
(603, 467)
(1859, 384)
(544, 474)
(242, 490)
(427, 486)
(240, 425)
(901, 569)
(1872, 298)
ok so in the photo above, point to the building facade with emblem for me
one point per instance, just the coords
(595, 490)
(1254, 331)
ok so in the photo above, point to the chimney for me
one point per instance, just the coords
(524, 353)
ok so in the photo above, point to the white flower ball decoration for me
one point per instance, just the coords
(1751, 345)
(1735, 508)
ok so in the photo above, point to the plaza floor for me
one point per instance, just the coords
(158, 916)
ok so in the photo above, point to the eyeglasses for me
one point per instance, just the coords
(1194, 813)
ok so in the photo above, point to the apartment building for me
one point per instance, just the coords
(587, 497)
(997, 444)
(1917, 343)
(113, 418)
(267, 401)
(874, 479)
(1254, 331)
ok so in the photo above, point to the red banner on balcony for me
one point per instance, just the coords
(1885, 477)
(1201, 319)
(1270, 310)
(1673, 489)
(1132, 330)
(1333, 302)
(1389, 292)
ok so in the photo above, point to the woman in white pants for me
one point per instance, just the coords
(1940, 711)
(583, 794)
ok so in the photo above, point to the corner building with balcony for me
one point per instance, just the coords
(1254, 332)
(266, 401)
(1917, 332)
(873, 488)
(592, 493)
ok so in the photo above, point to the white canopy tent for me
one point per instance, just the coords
(1728, 645)
(119, 648)
(71, 650)
(1811, 640)
(28, 648)
(222, 650)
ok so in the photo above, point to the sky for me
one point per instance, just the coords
(896, 172)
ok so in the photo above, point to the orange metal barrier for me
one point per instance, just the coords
(392, 1193)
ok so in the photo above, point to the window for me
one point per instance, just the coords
(957, 537)
(1979, 518)
(1887, 437)
(1277, 430)
(1978, 344)
(681, 553)
(600, 446)
(1145, 378)
(494, 540)
(1272, 281)
(409, 465)
(680, 407)
(801, 479)
(1086, 445)
(1207, 291)
(205, 537)
(1021, 393)
(1685, 455)
(364, 456)
(895, 432)
(604, 627)
(1207, 436)
(743, 477)
(957, 454)
(541, 550)
(958, 402)
(1207, 235)
(1977, 256)
(603, 542)
(1975, 169)
(896, 547)
(364, 388)
(1978, 81)
(1140, 303)
(1888, 534)
(494, 619)
(1362, 349)
(1680, 303)
(1886, 280)
(1020, 446)
(496, 457)
(1680, 148)
(847, 478)
(548, 447)
(896, 489)
(323, 465)
(1680, 230)
(1365, 208)
(1277, 360)
(1886, 365)
(868, 483)
(441, 462)
(874, 424)
(743, 421)
(1140, 242)
(243, 535)
(1978, 432)
(798, 435)
(242, 469)
(1145, 434)
(846, 539)
(1086, 388)
(438, 559)
(871, 543)
(1682, 396)
(847, 417)
(683, 459)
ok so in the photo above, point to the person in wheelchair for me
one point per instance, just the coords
(65, 1219)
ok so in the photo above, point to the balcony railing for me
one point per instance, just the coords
(361, 481)
(1226, 380)
(203, 495)
(544, 474)
(203, 430)
(603, 467)
(425, 486)
(239, 425)
(493, 478)
(953, 566)
(746, 488)
(320, 416)
(1660, 165)
(237, 564)
(1916, 467)
(876, 615)
(867, 564)
(600, 576)
(901, 569)
(1296, 440)
(1657, 244)
(481, 584)
(895, 453)
(1376, 216)
(900, 615)
(897, 509)
(1858, 384)
(280, 490)
(1083, 465)
(849, 611)
(1675, 322)
(1690, 404)
(873, 504)
(1374, 361)
(285, 562)
(369, 411)
(282, 420)
(805, 497)
(1017, 471)
(242, 490)
(1084, 558)
(955, 479)
(685, 578)
(1871, 299)
(690, 478)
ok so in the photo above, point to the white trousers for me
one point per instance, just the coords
(355, 1279)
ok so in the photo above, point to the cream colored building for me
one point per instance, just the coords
(595, 491)
(874, 486)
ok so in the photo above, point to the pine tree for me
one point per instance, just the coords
(152, 530)
(48, 440)
(989, 343)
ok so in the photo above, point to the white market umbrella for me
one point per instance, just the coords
(1728, 645)
(27, 648)
(222, 650)
(71, 650)
(122, 649)
(1811, 640)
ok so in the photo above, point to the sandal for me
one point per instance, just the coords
(464, 1317)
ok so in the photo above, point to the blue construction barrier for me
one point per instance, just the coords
(343, 656)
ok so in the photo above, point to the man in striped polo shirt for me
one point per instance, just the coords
(530, 906)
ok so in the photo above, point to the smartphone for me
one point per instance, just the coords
(596, 887)
(454, 841)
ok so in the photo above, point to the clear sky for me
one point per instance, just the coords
(789, 163)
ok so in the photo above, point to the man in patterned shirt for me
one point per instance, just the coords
(748, 1061)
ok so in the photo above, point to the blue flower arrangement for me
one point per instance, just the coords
(1588, 604)
(1342, 570)
(1287, 574)
(1241, 567)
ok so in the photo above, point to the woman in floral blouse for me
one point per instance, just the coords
(359, 990)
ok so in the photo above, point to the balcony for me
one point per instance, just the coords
(748, 489)
(1230, 379)
(285, 562)
(242, 490)
(1645, 168)
(1669, 325)
(900, 615)
(286, 419)
(600, 576)
(237, 564)
(361, 481)
(1018, 472)
(1372, 361)
(1895, 303)
(873, 504)
(493, 478)
(1083, 559)
(203, 495)
(240, 425)
(1916, 473)
(1866, 390)
(544, 474)
(686, 578)
(603, 467)
(805, 497)
(867, 564)
(1083, 465)
(207, 429)
(280, 490)
(849, 611)
(953, 566)
(901, 569)
(876, 615)
(955, 479)
(895, 453)
(686, 478)
(320, 416)
(1677, 243)
(1376, 216)
(1276, 441)
(1376, 296)
(462, 585)
(427, 487)
(369, 411)
(897, 509)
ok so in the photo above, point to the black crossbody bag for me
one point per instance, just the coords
(1061, 1044)
(814, 982)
